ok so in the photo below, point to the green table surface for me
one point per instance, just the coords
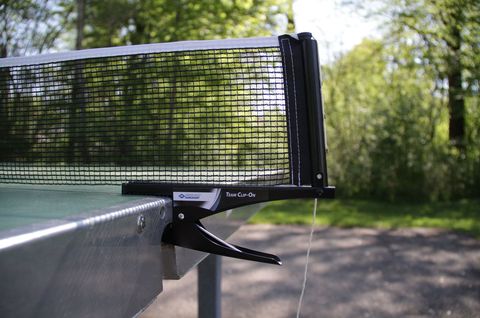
(24, 205)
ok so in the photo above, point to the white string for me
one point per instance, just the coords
(307, 259)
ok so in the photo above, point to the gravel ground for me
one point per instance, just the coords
(352, 273)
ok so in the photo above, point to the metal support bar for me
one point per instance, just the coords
(210, 287)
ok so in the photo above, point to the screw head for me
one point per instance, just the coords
(162, 213)
(140, 223)
(319, 176)
(181, 216)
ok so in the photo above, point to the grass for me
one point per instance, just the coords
(462, 216)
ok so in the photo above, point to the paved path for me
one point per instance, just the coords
(353, 273)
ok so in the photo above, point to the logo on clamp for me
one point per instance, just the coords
(240, 194)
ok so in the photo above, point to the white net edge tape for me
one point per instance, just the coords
(142, 49)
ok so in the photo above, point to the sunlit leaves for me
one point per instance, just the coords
(388, 127)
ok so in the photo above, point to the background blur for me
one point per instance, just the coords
(401, 77)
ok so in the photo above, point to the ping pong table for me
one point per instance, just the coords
(115, 161)
(89, 251)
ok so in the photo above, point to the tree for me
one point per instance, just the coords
(446, 34)
(122, 22)
(29, 27)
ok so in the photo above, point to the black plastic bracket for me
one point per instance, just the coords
(191, 203)
(193, 235)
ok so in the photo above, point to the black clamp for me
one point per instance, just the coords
(191, 203)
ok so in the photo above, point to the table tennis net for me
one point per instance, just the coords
(209, 112)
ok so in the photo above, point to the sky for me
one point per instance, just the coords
(337, 28)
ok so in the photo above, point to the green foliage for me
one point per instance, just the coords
(159, 102)
(388, 128)
(389, 102)
(29, 26)
(460, 216)
(121, 22)
(175, 109)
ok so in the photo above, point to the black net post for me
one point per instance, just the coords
(315, 110)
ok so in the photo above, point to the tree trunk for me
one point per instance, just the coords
(169, 148)
(456, 107)
(78, 126)
(5, 142)
(80, 24)
(4, 78)
(456, 98)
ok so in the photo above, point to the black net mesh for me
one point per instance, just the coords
(211, 116)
